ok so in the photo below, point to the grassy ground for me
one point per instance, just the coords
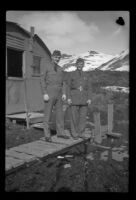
(80, 175)
(17, 135)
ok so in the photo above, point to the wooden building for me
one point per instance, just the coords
(26, 58)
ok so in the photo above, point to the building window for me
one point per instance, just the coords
(14, 63)
(36, 65)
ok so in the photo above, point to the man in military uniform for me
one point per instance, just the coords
(54, 92)
(79, 97)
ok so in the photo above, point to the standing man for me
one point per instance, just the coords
(79, 97)
(54, 92)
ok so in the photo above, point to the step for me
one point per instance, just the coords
(34, 117)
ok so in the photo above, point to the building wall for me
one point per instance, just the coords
(15, 89)
(34, 92)
(37, 51)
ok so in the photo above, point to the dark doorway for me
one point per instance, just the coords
(14, 63)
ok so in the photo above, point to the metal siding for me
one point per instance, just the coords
(34, 94)
(15, 96)
(15, 42)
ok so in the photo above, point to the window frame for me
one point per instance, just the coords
(38, 66)
(17, 50)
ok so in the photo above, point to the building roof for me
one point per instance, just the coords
(39, 40)
(28, 34)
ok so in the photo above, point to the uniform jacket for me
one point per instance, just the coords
(52, 82)
(79, 87)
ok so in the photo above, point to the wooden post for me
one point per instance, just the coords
(25, 77)
(6, 62)
(97, 130)
(25, 91)
(110, 118)
(7, 100)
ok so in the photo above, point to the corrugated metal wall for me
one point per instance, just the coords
(15, 42)
(14, 96)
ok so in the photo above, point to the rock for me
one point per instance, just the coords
(90, 156)
(60, 157)
(117, 156)
(67, 166)
(104, 155)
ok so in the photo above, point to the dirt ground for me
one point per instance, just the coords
(85, 170)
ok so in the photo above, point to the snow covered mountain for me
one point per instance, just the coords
(94, 59)
(119, 63)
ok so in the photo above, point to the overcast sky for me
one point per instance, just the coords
(75, 32)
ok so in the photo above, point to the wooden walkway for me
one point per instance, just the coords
(25, 154)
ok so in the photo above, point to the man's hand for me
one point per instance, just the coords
(64, 97)
(89, 101)
(46, 97)
(69, 101)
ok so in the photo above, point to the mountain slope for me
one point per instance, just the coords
(94, 59)
(119, 63)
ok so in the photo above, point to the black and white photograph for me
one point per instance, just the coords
(67, 101)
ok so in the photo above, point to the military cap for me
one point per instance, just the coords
(56, 53)
(80, 60)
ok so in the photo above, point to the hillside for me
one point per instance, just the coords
(97, 60)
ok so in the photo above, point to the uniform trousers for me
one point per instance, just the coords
(54, 101)
(78, 115)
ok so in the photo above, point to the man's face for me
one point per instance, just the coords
(80, 65)
(56, 59)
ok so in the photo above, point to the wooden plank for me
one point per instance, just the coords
(25, 153)
(35, 152)
(116, 135)
(110, 118)
(22, 156)
(44, 144)
(12, 163)
(33, 117)
(47, 147)
(68, 142)
(39, 151)
(23, 115)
